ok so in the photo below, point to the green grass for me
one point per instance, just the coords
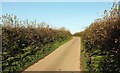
(28, 58)
(83, 57)
(95, 60)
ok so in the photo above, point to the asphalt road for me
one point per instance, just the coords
(64, 58)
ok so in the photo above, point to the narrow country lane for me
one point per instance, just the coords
(64, 58)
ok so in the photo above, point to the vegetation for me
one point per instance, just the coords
(78, 34)
(25, 42)
(83, 57)
(101, 41)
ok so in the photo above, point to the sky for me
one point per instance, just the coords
(74, 16)
(58, 0)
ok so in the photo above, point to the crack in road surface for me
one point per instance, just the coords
(64, 58)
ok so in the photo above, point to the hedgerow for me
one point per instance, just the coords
(23, 42)
(101, 41)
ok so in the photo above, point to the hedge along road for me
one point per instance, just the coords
(64, 58)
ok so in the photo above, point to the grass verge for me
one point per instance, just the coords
(83, 57)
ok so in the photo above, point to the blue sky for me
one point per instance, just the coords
(74, 16)
(58, 0)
